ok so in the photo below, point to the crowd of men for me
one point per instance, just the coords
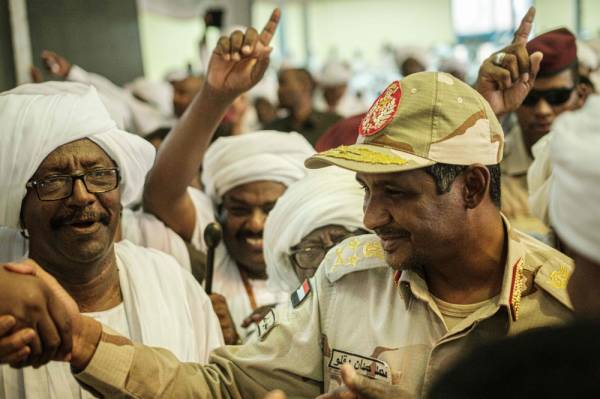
(443, 243)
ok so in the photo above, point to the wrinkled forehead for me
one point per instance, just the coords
(78, 154)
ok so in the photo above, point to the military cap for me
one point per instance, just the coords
(426, 118)
(559, 49)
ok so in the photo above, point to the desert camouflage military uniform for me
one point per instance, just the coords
(357, 310)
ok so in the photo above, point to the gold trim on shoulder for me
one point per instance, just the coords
(559, 278)
(362, 154)
(517, 289)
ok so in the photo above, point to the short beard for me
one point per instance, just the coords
(415, 262)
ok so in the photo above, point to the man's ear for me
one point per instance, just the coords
(477, 180)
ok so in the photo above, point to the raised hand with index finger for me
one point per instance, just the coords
(240, 60)
(506, 77)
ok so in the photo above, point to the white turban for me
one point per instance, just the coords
(324, 197)
(539, 178)
(575, 190)
(38, 118)
(265, 155)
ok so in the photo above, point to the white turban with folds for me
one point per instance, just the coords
(575, 190)
(38, 118)
(265, 155)
(324, 197)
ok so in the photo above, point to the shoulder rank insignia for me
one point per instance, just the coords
(266, 324)
(352, 255)
(301, 293)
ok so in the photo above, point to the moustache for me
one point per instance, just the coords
(79, 217)
(392, 233)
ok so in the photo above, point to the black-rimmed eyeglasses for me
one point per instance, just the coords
(58, 187)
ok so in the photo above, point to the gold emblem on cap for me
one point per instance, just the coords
(382, 111)
(362, 154)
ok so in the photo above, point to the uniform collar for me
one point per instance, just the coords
(411, 283)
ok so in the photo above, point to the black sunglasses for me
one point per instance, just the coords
(553, 97)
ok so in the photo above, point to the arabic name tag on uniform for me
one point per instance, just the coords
(373, 368)
(266, 324)
(301, 293)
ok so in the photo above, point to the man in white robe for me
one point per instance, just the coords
(58, 146)
(235, 165)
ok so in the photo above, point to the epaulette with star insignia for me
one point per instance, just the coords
(553, 278)
(354, 254)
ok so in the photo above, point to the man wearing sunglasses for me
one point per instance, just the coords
(556, 88)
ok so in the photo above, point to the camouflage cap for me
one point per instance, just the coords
(426, 118)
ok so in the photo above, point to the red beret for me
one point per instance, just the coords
(559, 49)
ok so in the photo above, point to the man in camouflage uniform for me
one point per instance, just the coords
(385, 313)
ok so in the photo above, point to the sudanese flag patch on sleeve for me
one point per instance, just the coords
(301, 293)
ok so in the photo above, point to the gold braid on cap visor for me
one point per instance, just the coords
(361, 154)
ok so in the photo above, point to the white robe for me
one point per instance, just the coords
(164, 307)
(227, 280)
(146, 230)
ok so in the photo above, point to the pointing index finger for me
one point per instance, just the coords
(524, 28)
(269, 30)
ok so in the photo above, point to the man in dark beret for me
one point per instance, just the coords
(556, 89)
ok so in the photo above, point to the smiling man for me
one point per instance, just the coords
(444, 273)
(67, 174)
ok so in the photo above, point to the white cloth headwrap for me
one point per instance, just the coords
(575, 192)
(38, 118)
(324, 197)
(539, 178)
(265, 155)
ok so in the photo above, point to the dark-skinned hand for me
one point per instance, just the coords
(505, 86)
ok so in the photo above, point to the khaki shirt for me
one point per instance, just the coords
(358, 311)
(515, 195)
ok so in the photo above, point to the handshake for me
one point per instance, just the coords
(40, 322)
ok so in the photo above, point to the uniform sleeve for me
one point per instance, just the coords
(287, 356)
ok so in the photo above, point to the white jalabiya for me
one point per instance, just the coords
(228, 163)
(38, 118)
(575, 192)
(265, 155)
(163, 306)
(539, 177)
(227, 279)
(324, 197)
(146, 230)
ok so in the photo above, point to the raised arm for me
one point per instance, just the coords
(506, 77)
(236, 65)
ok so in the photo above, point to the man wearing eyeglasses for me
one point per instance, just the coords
(67, 172)
(556, 89)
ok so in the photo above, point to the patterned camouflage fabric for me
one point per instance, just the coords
(426, 118)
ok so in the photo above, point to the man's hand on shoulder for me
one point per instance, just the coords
(506, 77)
